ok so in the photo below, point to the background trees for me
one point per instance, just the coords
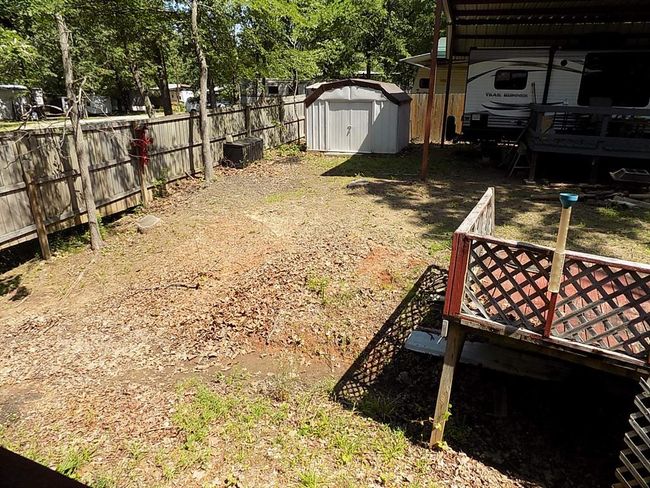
(121, 47)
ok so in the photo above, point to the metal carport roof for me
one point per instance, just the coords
(593, 24)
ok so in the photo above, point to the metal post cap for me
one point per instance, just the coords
(568, 199)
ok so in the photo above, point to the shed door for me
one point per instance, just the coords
(348, 126)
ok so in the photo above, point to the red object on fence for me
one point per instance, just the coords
(142, 142)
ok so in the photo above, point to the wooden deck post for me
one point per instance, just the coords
(455, 341)
(533, 166)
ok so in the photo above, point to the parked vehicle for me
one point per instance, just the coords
(192, 104)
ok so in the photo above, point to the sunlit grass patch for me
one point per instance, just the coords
(280, 425)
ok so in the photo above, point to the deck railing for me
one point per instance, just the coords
(597, 131)
(603, 305)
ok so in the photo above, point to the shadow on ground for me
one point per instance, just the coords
(457, 179)
(555, 434)
(11, 286)
(16, 470)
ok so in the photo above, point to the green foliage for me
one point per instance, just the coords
(244, 40)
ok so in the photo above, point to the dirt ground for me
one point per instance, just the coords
(203, 352)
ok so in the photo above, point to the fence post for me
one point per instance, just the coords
(247, 120)
(281, 117)
(140, 167)
(31, 186)
(191, 143)
(297, 114)
(69, 162)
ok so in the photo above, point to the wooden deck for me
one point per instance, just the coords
(598, 132)
(498, 288)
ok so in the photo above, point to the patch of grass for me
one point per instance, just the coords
(281, 426)
(160, 184)
(391, 445)
(311, 479)
(341, 297)
(609, 212)
(287, 150)
(136, 450)
(439, 246)
(348, 446)
(319, 425)
(193, 418)
(378, 406)
(76, 239)
(73, 459)
(104, 481)
(318, 284)
(287, 195)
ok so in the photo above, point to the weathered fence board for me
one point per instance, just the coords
(174, 154)
(418, 114)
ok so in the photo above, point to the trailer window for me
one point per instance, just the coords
(424, 83)
(509, 79)
(616, 79)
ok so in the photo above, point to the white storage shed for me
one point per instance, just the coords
(357, 116)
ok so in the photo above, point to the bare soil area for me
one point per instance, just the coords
(203, 352)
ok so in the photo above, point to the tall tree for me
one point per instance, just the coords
(79, 143)
(206, 150)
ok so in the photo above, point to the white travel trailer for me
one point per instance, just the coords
(502, 84)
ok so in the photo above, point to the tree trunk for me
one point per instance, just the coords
(142, 89)
(368, 66)
(206, 150)
(163, 83)
(212, 97)
(78, 141)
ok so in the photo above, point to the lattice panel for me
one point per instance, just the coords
(421, 308)
(635, 457)
(604, 306)
(507, 284)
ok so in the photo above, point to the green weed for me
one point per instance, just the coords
(73, 460)
(318, 284)
(310, 479)
(287, 150)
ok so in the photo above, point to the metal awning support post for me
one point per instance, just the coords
(445, 113)
(424, 169)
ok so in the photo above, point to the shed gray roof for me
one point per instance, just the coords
(393, 92)
(573, 24)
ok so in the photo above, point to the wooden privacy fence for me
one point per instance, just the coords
(39, 173)
(419, 110)
(497, 284)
